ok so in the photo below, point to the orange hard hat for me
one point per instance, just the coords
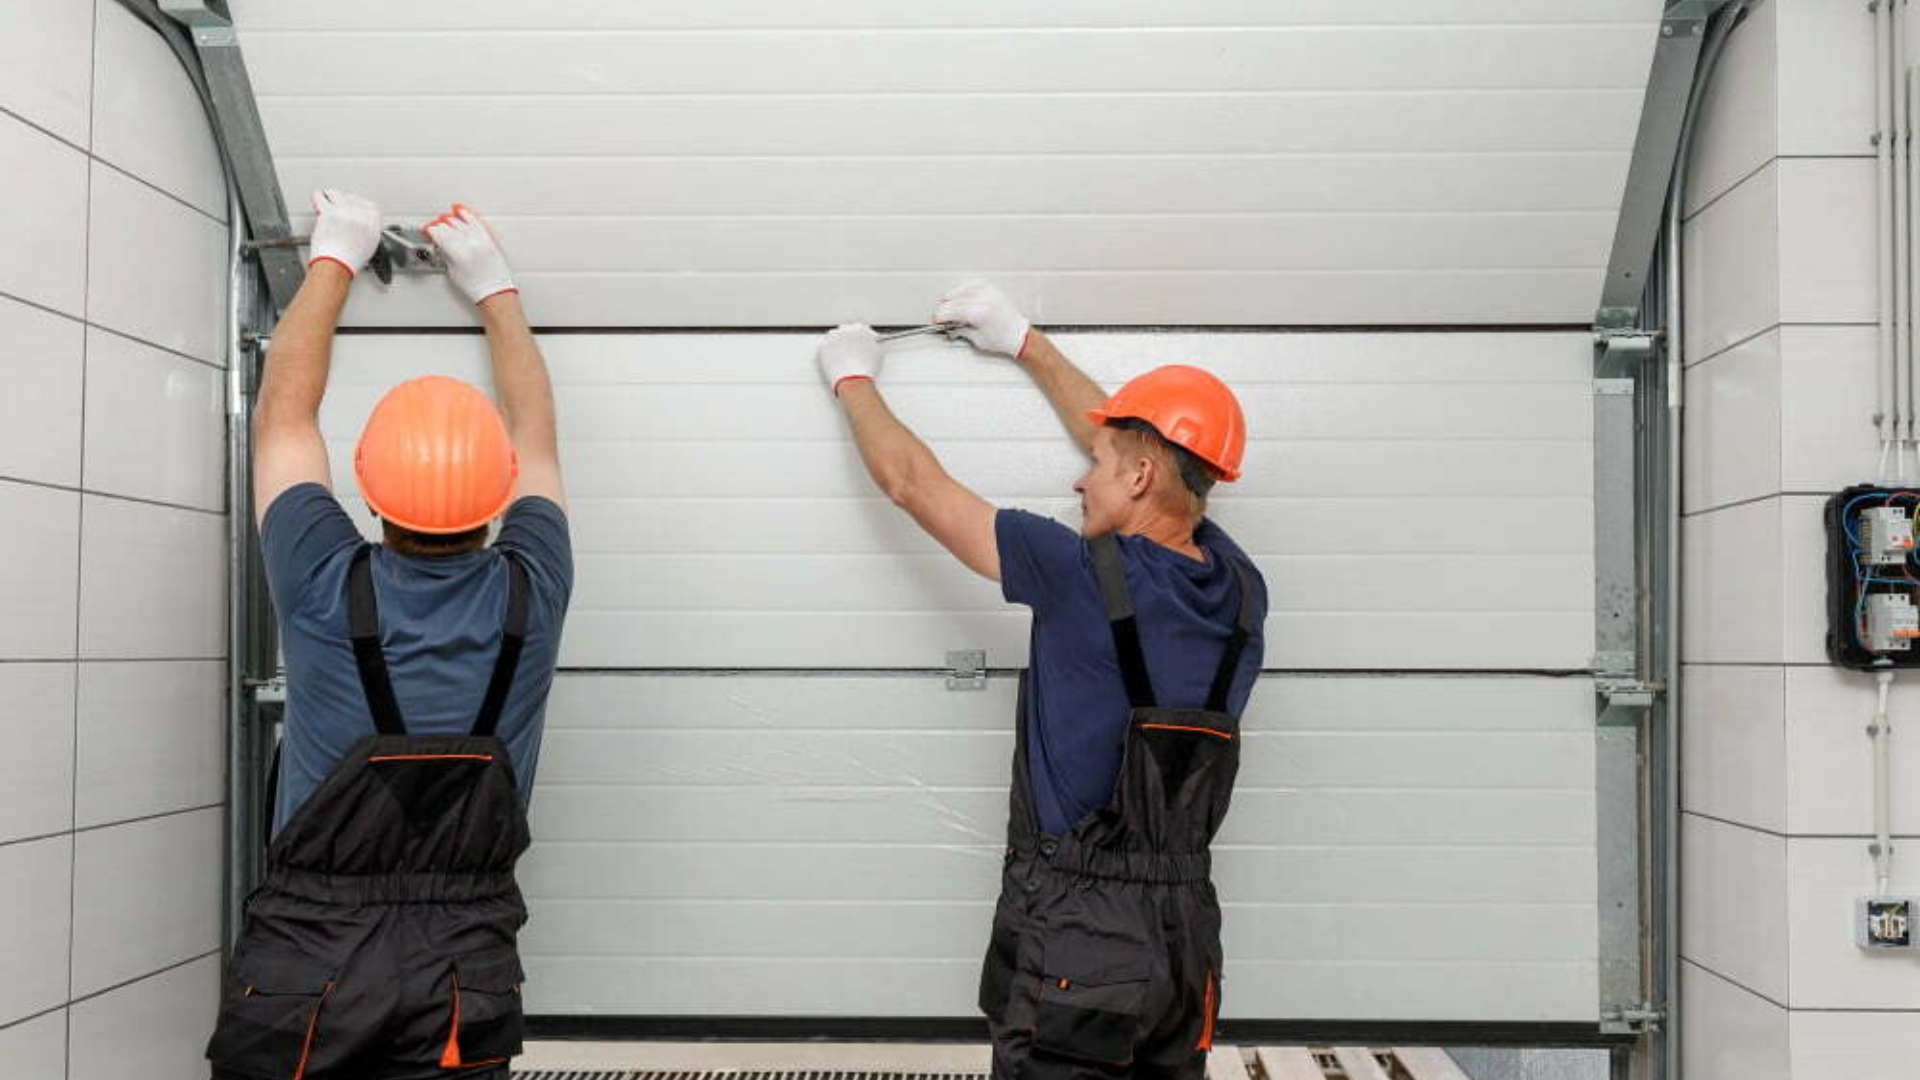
(1189, 407)
(435, 457)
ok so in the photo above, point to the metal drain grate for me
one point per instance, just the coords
(742, 1074)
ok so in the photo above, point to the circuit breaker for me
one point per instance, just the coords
(1873, 578)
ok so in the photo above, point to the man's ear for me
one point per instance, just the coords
(1140, 484)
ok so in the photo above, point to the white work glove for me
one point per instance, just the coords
(848, 352)
(984, 315)
(474, 259)
(347, 230)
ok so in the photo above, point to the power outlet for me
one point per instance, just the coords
(1885, 922)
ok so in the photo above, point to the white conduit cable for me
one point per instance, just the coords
(1902, 326)
(1907, 86)
(1883, 172)
(1882, 734)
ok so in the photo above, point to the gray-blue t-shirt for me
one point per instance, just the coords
(440, 620)
(1077, 705)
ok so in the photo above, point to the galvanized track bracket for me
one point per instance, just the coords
(237, 120)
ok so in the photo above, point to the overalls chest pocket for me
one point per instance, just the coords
(1091, 998)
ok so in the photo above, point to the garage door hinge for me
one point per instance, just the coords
(1618, 353)
(1635, 1019)
(967, 669)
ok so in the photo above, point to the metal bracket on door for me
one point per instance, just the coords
(967, 669)
(1635, 1019)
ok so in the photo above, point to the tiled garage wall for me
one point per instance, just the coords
(112, 514)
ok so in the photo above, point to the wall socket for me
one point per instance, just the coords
(1883, 923)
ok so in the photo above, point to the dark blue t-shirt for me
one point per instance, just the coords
(440, 621)
(1076, 702)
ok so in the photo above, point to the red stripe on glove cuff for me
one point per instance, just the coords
(847, 378)
(328, 258)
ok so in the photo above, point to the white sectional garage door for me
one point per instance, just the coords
(759, 798)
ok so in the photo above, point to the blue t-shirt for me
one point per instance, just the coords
(440, 622)
(1077, 705)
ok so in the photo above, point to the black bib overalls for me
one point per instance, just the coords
(382, 944)
(1105, 957)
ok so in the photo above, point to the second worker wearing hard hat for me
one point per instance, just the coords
(382, 944)
(1105, 957)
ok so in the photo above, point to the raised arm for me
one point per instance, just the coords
(901, 465)
(985, 316)
(520, 383)
(287, 447)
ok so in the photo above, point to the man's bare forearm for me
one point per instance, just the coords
(895, 457)
(1067, 388)
(295, 378)
(519, 371)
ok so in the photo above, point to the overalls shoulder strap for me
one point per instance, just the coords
(1111, 572)
(1236, 641)
(363, 626)
(1108, 568)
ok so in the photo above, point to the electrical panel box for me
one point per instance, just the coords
(1884, 922)
(1873, 578)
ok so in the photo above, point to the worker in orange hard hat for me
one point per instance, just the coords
(1105, 956)
(382, 944)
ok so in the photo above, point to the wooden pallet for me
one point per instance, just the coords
(1332, 1063)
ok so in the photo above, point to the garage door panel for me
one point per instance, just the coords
(939, 759)
(1245, 359)
(804, 930)
(1449, 641)
(414, 188)
(615, 812)
(1086, 297)
(1294, 873)
(1387, 990)
(640, 414)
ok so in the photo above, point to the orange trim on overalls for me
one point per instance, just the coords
(1206, 1029)
(450, 1056)
(313, 1027)
(432, 757)
(1182, 727)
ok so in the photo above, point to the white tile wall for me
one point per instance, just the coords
(36, 1048)
(1733, 420)
(1734, 905)
(1827, 240)
(146, 895)
(1830, 789)
(148, 120)
(43, 214)
(36, 774)
(1733, 744)
(41, 363)
(1854, 1045)
(1732, 273)
(152, 739)
(46, 58)
(134, 228)
(161, 427)
(106, 742)
(1824, 110)
(162, 1022)
(41, 579)
(154, 582)
(36, 882)
(1729, 1033)
(1732, 600)
(1828, 440)
(1824, 878)
(1738, 127)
